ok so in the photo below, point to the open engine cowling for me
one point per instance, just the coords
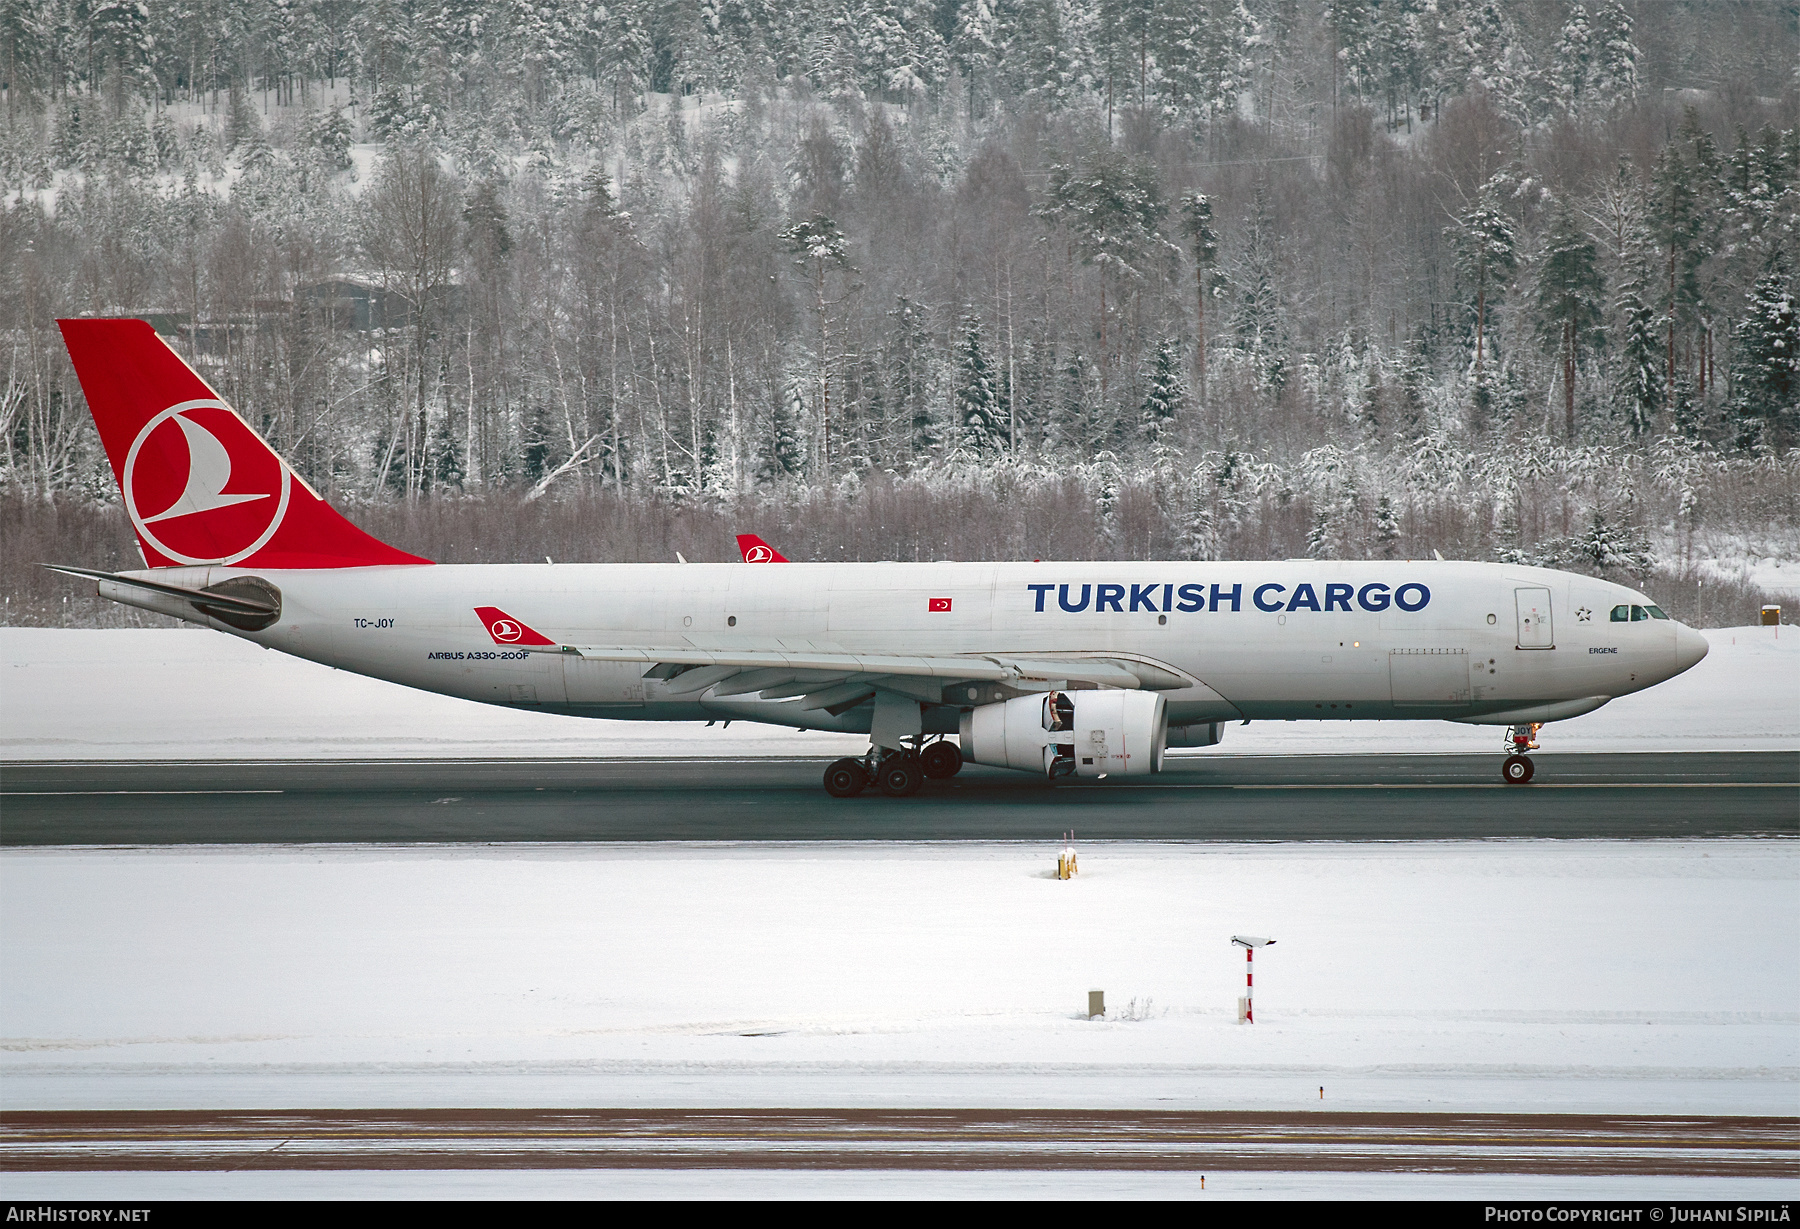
(1084, 733)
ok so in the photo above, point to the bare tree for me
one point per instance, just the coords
(409, 232)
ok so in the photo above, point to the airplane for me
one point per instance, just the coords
(755, 550)
(1087, 670)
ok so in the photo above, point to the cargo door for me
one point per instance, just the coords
(1426, 677)
(1536, 628)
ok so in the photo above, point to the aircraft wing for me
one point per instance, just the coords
(838, 680)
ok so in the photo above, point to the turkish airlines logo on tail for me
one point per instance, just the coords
(755, 550)
(201, 488)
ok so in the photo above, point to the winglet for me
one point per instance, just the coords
(507, 630)
(755, 550)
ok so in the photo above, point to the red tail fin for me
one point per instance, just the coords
(755, 550)
(200, 486)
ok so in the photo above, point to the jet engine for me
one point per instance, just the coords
(1084, 733)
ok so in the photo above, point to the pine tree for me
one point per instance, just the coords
(899, 50)
(1487, 251)
(980, 433)
(1486, 52)
(783, 450)
(1765, 365)
(1573, 75)
(1046, 52)
(328, 131)
(1203, 246)
(1640, 365)
(1111, 205)
(1614, 81)
(446, 455)
(1199, 523)
(819, 247)
(1163, 402)
(975, 45)
(1607, 545)
(1259, 320)
(1568, 301)
(1682, 200)
(1351, 26)
(1400, 36)
(1387, 527)
(908, 362)
(1181, 39)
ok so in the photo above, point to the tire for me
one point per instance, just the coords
(845, 779)
(941, 759)
(899, 776)
(1517, 769)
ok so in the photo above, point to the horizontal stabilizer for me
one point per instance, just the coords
(201, 598)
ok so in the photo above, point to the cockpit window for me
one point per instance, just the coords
(1656, 612)
(1621, 614)
(1639, 614)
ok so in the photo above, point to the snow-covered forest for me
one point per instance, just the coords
(1502, 279)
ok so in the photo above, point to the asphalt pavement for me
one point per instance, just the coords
(1051, 1140)
(1203, 797)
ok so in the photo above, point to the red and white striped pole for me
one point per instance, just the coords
(1250, 944)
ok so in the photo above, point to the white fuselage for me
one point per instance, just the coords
(1260, 640)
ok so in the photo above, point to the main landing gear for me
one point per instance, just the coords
(898, 774)
(1518, 768)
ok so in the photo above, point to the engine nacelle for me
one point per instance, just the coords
(1205, 734)
(1086, 733)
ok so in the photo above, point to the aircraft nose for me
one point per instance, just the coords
(1690, 647)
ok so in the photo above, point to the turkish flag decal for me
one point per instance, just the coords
(937, 604)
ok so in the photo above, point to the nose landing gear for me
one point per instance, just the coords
(1518, 768)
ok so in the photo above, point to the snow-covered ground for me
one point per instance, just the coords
(1770, 561)
(885, 1184)
(1502, 976)
(153, 694)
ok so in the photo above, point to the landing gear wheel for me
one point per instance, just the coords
(941, 759)
(899, 775)
(1517, 770)
(845, 779)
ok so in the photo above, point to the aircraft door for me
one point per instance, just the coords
(1537, 630)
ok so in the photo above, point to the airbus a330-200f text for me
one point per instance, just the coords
(1088, 669)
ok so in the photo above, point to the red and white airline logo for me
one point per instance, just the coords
(759, 554)
(936, 605)
(507, 630)
(175, 482)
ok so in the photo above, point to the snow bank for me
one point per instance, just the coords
(1594, 976)
(140, 693)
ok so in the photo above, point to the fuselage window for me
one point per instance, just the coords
(1621, 614)
(1656, 612)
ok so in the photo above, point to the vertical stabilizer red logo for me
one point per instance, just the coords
(200, 485)
(201, 488)
(755, 550)
(507, 630)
